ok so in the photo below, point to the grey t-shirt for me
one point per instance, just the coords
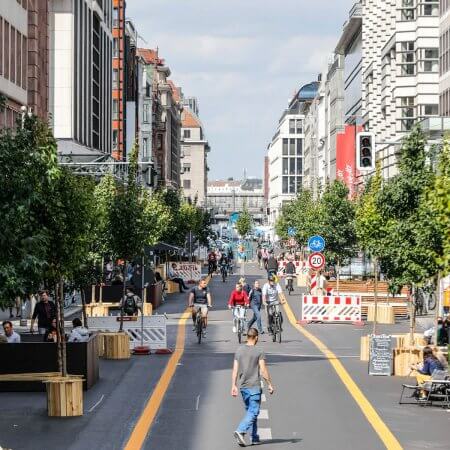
(248, 357)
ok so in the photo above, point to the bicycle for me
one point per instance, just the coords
(223, 271)
(276, 322)
(290, 283)
(241, 321)
(199, 325)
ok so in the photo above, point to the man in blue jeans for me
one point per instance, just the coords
(249, 365)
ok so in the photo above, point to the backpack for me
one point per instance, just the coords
(130, 307)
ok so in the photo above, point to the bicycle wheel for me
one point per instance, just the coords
(432, 301)
(279, 328)
(239, 331)
(274, 328)
(224, 276)
(199, 327)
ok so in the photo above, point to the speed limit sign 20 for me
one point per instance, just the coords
(316, 260)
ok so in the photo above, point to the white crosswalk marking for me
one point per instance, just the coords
(263, 414)
(265, 434)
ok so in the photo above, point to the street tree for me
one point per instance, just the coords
(244, 223)
(126, 221)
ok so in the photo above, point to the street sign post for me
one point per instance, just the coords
(291, 231)
(316, 243)
(316, 260)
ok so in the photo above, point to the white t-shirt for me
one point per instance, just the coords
(271, 292)
(14, 338)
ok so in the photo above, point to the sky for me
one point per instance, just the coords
(243, 60)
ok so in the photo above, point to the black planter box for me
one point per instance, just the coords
(34, 356)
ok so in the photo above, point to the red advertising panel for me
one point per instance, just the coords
(346, 157)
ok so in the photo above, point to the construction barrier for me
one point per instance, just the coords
(189, 272)
(301, 267)
(154, 332)
(331, 309)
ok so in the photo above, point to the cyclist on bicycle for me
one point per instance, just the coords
(200, 300)
(238, 301)
(270, 296)
(290, 272)
(272, 265)
(212, 262)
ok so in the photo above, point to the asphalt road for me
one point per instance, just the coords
(311, 407)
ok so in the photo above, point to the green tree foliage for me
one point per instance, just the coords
(405, 259)
(337, 223)
(244, 223)
(29, 167)
(436, 210)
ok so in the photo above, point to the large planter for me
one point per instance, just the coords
(34, 356)
(385, 314)
(116, 346)
(64, 397)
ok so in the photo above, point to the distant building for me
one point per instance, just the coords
(81, 76)
(224, 197)
(444, 57)
(285, 152)
(194, 152)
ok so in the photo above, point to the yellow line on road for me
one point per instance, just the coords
(143, 425)
(384, 433)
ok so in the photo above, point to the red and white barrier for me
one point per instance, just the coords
(300, 266)
(343, 309)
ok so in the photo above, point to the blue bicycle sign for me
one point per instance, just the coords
(292, 231)
(316, 243)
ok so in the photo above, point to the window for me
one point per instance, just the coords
(299, 126)
(187, 134)
(186, 184)
(115, 79)
(292, 146)
(145, 147)
(291, 126)
(407, 59)
(187, 167)
(285, 146)
(285, 187)
(430, 59)
(299, 166)
(291, 166)
(299, 147)
(7, 49)
(146, 113)
(285, 166)
(115, 138)
(292, 185)
(115, 17)
(429, 7)
(115, 47)
(115, 110)
(407, 113)
(431, 110)
(147, 90)
(186, 150)
(12, 73)
(408, 10)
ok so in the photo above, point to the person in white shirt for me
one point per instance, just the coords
(271, 300)
(11, 336)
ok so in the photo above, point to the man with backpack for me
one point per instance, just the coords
(131, 303)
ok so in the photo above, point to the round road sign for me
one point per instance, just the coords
(316, 260)
(316, 243)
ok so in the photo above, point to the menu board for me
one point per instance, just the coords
(380, 355)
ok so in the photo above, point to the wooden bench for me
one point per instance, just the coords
(38, 376)
(346, 286)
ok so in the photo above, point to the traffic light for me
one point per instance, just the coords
(365, 151)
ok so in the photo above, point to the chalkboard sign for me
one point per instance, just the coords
(380, 355)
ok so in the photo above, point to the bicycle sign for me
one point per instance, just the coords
(316, 243)
(316, 260)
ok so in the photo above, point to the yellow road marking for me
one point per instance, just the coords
(384, 433)
(142, 427)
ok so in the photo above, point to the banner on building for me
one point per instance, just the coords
(189, 272)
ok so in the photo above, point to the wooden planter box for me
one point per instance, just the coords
(64, 397)
(116, 346)
(34, 356)
(385, 314)
(404, 358)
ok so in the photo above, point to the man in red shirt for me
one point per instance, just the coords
(238, 301)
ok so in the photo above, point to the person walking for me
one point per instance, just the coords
(255, 297)
(45, 312)
(248, 366)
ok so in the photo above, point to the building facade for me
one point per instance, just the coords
(285, 152)
(194, 152)
(444, 58)
(13, 60)
(80, 86)
(225, 197)
(400, 71)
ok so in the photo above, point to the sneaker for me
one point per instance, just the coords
(262, 332)
(234, 330)
(258, 442)
(240, 438)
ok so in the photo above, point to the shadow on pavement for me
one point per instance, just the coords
(281, 441)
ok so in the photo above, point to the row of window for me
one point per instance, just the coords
(291, 184)
(411, 9)
(444, 103)
(293, 147)
(421, 60)
(410, 112)
(444, 51)
(295, 126)
(292, 166)
(13, 54)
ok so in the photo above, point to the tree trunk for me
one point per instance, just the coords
(83, 307)
(375, 294)
(412, 316)
(58, 328)
(63, 337)
(124, 290)
(338, 270)
(437, 309)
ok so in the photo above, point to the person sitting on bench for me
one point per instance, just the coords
(172, 277)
